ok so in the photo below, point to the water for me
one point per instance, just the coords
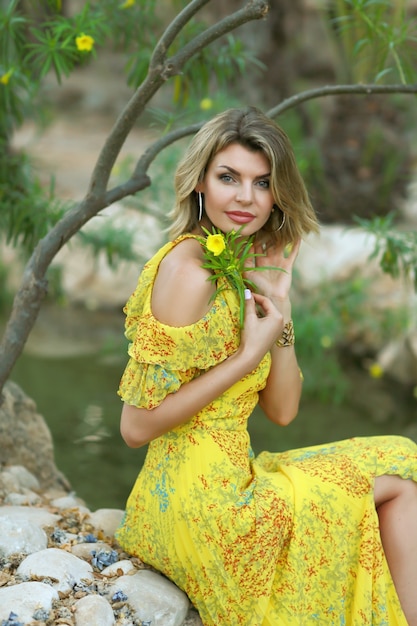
(77, 397)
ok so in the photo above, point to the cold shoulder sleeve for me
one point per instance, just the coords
(162, 358)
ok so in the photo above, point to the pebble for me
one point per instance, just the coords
(60, 565)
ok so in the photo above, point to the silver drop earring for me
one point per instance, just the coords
(200, 205)
(283, 219)
(282, 223)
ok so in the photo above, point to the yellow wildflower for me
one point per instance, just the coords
(227, 256)
(206, 104)
(326, 341)
(215, 244)
(84, 43)
(127, 3)
(376, 371)
(4, 79)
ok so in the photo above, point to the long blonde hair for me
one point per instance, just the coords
(253, 130)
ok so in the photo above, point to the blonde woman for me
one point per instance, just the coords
(323, 535)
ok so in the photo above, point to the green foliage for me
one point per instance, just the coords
(6, 296)
(27, 209)
(336, 315)
(377, 39)
(395, 249)
(229, 61)
(116, 243)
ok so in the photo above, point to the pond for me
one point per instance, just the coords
(75, 391)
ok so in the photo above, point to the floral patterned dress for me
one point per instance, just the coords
(281, 539)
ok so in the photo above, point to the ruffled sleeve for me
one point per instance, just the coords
(162, 357)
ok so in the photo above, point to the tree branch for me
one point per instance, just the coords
(254, 10)
(173, 30)
(157, 75)
(331, 90)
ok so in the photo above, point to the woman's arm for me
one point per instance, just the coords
(281, 396)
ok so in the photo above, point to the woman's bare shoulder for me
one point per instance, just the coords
(182, 291)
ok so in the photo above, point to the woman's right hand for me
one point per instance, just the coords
(260, 331)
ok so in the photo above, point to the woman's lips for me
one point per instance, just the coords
(240, 217)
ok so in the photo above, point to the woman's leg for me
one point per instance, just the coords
(396, 503)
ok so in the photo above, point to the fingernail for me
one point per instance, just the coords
(248, 294)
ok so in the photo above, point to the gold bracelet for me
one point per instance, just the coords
(287, 337)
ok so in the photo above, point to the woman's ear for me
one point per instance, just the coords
(199, 187)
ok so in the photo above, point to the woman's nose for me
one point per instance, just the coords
(244, 193)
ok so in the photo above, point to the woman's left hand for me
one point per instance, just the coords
(274, 283)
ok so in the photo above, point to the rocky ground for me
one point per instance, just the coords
(59, 561)
(60, 564)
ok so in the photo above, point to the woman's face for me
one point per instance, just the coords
(236, 190)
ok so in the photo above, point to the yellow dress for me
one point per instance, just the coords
(283, 539)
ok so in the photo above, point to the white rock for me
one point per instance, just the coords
(124, 566)
(23, 499)
(9, 483)
(38, 516)
(57, 564)
(106, 520)
(398, 358)
(21, 536)
(26, 479)
(84, 550)
(24, 599)
(154, 598)
(69, 502)
(334, 254)
(93, 611)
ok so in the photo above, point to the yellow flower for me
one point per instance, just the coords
(226, 255)
(4, 79)
(376, 371)
(206, 104)
(215, 244)
(326, 341)
(84, 43)
(127, 3)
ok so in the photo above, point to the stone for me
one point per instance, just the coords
(85, 550)
(79, 581)
(398, 359)
(120, 568)
(25, 439)
(23, 499)
(106, 520)
(24, 599)
(63, 568)
(39, 516)
(8, 484)
(93, 611)
(69, 502)
(154, 598)
(21, 536)
(25, 478)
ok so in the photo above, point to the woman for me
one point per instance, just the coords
(322, 535)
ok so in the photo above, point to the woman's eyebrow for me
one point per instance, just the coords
(236, 173)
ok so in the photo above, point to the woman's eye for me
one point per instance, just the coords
(226, 178)
(264, 184)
